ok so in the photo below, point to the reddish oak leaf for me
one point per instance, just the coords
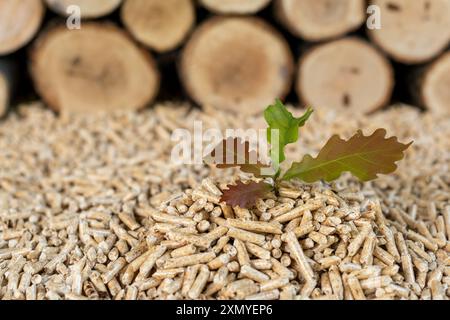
(232, 152)
(364, 157)
(245, 195)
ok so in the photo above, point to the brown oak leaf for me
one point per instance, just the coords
(233, 152)
(245, 195)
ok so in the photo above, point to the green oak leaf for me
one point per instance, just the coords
(363, 156)
(287, 126)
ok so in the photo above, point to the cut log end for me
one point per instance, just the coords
(346, 74)
(320, 19)
(97, 68)
(413, 31)
(159, 25)
(435, 88)
(234, 6)
(19, 22)
(237, 64)
(89, 8)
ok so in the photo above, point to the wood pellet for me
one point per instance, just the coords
(91, 208)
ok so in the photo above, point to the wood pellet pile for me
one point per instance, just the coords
(92, 208)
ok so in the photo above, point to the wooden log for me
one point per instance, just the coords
(434, 86)
(8, 81)
(19, 22)
(97, 68)
(234, 6)
(89, 8)
(345, 74)
(413, 31)
(4, 95)
(159, 25)
(319, 20)
(4, 90)
(236, 63)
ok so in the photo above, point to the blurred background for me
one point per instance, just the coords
(85, 56)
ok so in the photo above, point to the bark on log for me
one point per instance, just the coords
(236, 63)
(159, 25)
(19, 22)
(234, 6)
(413, 31)
(89, 8)
(97, 68)
(345, 74)
(320, 19)
(434, 86)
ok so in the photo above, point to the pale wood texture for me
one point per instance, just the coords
(320, 19)
(345, 74)
(97, 68)
(235, 6)
(89, 8)
(435, 86)
(159, 25)
(413, 31)
(19, 22)
(238, 64)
